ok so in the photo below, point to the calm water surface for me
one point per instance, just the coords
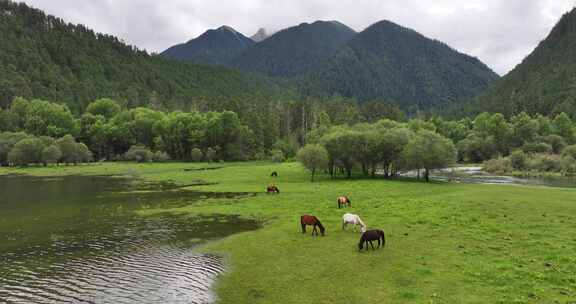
(77, 240)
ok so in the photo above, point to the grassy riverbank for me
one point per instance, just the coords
(446, 243)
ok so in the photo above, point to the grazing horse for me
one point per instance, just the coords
(274, 174)
(272, 189)
(343, 201)
(369, 236)
(313, 221)
(353, 219)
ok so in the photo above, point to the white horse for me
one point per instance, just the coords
(353, 219)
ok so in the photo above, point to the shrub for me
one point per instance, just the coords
(557, 142)
(568, 165)
(196, 155)
(160, 156)
(138, 153)
(277, 156)
(518, 160)
(537, 148)
(210, 154)
(499, 165)
(544, 163)
(569, 151)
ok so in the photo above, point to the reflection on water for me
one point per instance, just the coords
(77, 240)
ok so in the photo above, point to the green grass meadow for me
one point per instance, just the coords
(446, 243)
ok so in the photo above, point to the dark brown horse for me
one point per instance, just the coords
(272, 189)
(369, 236)
(314, 222)
(344, 201)
(274, 174)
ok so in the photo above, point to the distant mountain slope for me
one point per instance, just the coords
(544, 82)
(390, 62)
(42, 56)
(261, 35)
(294, 50)
(217, 46)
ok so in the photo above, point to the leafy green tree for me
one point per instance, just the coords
(313, 157)
(73, 152)
(537, 148)
(562, 126)
(7, 142)
(26, 151)
(51, 155)
(476, 149)
(340, 144)
(429, 150)
(524, 129)
(569, 151)
(105, 107)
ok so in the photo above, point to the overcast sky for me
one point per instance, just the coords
(499, 32)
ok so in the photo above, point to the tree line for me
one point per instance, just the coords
(521, 142)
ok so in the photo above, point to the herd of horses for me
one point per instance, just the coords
(367, 237)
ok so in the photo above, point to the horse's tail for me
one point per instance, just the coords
(302, 224)
(383, 238)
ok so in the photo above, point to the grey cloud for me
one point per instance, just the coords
(499, 32)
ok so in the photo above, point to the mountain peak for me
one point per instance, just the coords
(216, 46)
(294, 50)
(260, 35)
(227, 28)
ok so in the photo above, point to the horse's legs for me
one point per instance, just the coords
(372, 245)
(378, 243)
(314, 231)
(343, 225)
(303, 227)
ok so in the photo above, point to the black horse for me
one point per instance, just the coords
(369, 236)
(274, 174)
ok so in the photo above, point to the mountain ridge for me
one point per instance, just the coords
(544, 82)
(215, 46)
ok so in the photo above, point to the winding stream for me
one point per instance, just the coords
(78, 240)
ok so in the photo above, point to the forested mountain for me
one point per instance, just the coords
(44, 57)
(260, 35)
(545, 81)
(217, 46)
(294, 50)
(391, 62)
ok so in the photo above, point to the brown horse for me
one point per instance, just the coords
(313, 221)
(344, 201)
(369, 236)
(272, 189)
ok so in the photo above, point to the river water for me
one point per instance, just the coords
(78, 240)
(475, 175)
